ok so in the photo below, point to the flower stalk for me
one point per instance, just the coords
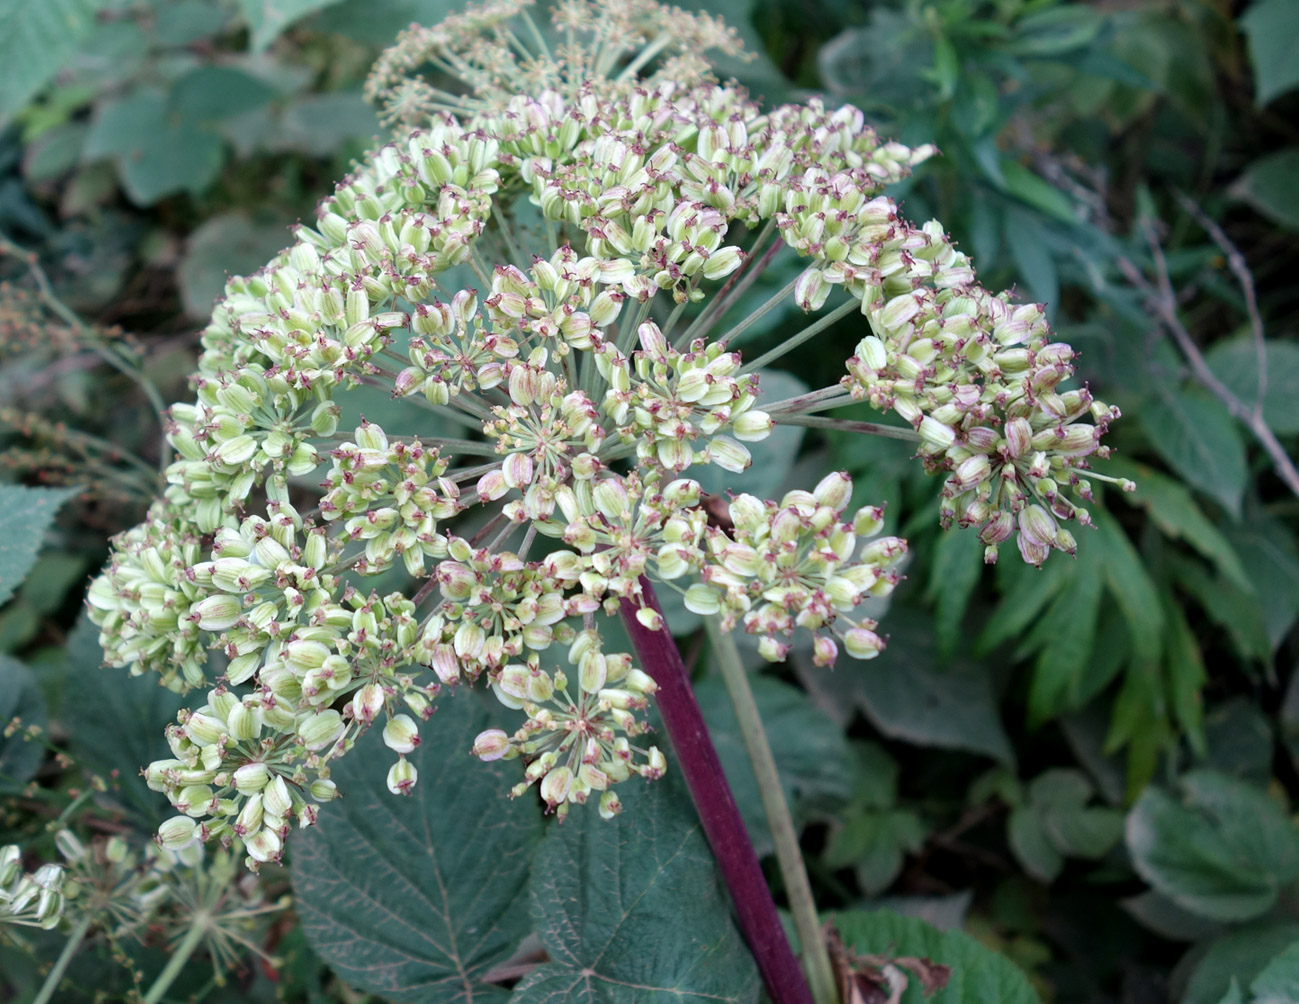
(816, 960)
(724, 828)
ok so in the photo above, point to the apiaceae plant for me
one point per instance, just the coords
(545, 262)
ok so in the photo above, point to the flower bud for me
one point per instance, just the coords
(556, 785)
(493, 744)
(401, 734)
(177, 833)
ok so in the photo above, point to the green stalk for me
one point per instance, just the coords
(52, 981)
(816, 960)
(179, 956)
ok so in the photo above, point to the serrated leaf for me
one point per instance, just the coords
(812, 756)
(268, 18)
(25, 515)
(630, 911)
(1239, 956)
(1267, 549)
(1235, 363)
(116, 727)
(418, 897)
(978, 974)
(1198, 439)
(1025, 593)
(20, 702)
(1064, 637)
(1222, 852)
(1186, 673)
(36, 40)
(1271, 27)
(874, 844)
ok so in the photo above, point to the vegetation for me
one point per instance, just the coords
(1065, 778)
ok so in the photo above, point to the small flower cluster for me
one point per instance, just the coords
(31, 900)
(546, 262)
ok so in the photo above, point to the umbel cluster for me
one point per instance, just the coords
(543, 267)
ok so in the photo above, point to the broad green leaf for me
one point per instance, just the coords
(1064, 636)
(417, 897)
(1241, 955)
(1271, 27)
(211, 93)
(225, 245)
(957, 567)
(1025, 593)
(323, 124)
(25, 515)
(978, 974)
(37, 37)
(1198, 439)
(1223, 851)
(1031, 252)
(812, 756)
(377, 22)
(1278, 983)
(1267, 186)
(21, 707)
(1240, 740)
(1173, 509)
(1268, 550)
(115, 722)
(1160, 914)
(157, 153)
(186, 21)
(268, 18)
(630, 911)
(1235, 363)
(1032, 847)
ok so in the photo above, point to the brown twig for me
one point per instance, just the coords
(1163, 302)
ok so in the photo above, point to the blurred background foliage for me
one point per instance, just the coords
(1090, 767)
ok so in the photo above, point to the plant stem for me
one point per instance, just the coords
(816, 960)
(179, 956)
(74, 941)
(850, 425)
(793, 342)
(755, 910)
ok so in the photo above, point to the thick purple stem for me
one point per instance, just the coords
(754, 907)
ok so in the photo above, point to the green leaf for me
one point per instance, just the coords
(377, 22)
(631, 911)
(1267, 549)
(875, 844)
(1271, 27)
(978, 974)
(812, 756)
(1173, 509)
(268, 18)
(20, 702)
(1031, 252)
(225, 245)
(1198, 439)
(1031, 846)
(957, 567)
(186, 21)
(1131, 586)
(1222, 852)
(418, 897)
(1267, 185)
(1235, 363)
(1065, 636)
(1186, 673)
(1278, 983)
(908, 696)
(36, 40)
(1056, 30)
(25, 515)
(116, 726)
(1035, 191)
(212, 93)
(1241, 956)
(157, 153)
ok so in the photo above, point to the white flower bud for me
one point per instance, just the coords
(402, 777)
(401, 734)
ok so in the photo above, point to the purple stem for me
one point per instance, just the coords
(755, 910)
